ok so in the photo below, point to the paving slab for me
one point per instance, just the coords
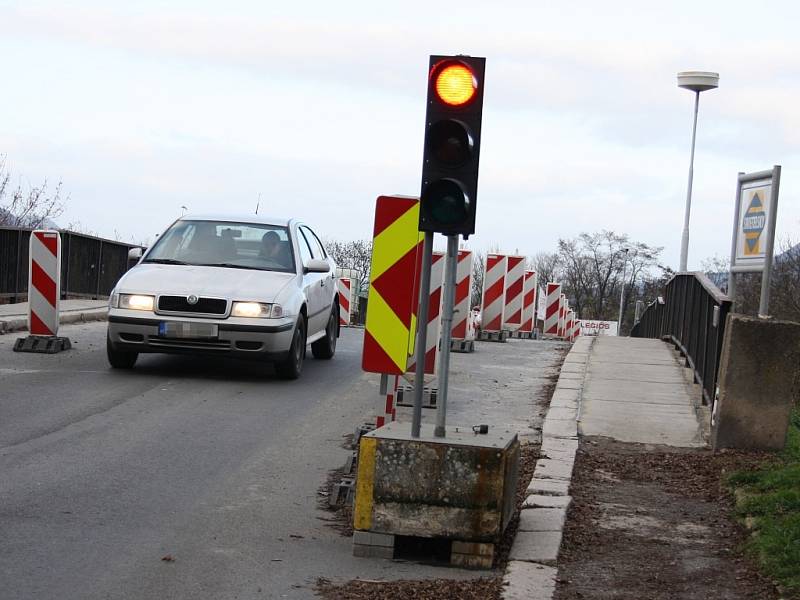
(553, 468)
(529, 581)
(552, 445)
(540, 501)
(568, 376)
(562, 413)
(559, 429)
(542, 519)
(548, 487)
(536, 546)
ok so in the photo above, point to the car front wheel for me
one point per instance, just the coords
(120, 359)
(292, 365)
(325, 347)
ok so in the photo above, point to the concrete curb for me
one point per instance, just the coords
(531, 573)
(65, 318)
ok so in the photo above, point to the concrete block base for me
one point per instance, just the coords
(522, 335)
(404, 396)
(462, 346)
(42, 344)
(492, 336)
(467, 494)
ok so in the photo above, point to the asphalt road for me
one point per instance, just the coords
(213, 462)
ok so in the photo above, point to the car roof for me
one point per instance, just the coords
(239, 218)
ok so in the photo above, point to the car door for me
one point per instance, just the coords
(328, 279)
(312, 286)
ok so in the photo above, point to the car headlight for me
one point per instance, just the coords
(136, 301)
(258, 310)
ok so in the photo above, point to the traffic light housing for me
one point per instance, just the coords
(452, 145)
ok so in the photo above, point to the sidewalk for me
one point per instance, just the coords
(635, 391)
(14, 317)
(620, 389)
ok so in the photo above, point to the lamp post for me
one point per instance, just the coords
(622, 293)
(696, 81)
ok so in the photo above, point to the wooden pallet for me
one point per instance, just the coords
(458, 553)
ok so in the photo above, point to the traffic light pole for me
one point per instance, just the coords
(422, 331)
(448, 300)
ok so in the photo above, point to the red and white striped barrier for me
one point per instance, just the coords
(529, 302)
(44, 283)
(552, 308)
(345, 296)
(562, 315)
(569, 319)
(462, 311)
(515, 276)
(389, 411)
(434, 321)
(577, 331)
(493, 302)
(575, 327)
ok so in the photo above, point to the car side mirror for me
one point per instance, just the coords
(316, 265)
(134, 254)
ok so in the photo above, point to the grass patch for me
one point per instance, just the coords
(768, 499)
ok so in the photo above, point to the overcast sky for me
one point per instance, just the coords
(142, 107)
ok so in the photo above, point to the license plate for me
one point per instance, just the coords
(178, 329)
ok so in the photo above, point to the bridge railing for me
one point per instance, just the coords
(90, 266)
(691, 314)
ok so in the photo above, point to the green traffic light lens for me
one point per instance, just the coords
(450, 142)
(446, 202)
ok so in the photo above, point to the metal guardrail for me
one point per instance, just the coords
(90, 266)
(691, 314)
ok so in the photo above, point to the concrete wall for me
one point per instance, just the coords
(759, 380)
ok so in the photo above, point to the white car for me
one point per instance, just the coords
(245, 287)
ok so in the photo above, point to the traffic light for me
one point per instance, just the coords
(452, 144)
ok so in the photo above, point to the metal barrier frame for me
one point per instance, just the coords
(90, 266)
(692, 315)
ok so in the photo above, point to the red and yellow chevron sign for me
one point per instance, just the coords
(391, 324)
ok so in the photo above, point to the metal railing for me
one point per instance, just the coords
(691, 314)
(90, 266)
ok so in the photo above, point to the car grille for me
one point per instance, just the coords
(188, 344)
(204, 306)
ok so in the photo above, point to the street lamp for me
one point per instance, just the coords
(696, 81)
(622, 293)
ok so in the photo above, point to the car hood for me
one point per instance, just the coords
(219, 282)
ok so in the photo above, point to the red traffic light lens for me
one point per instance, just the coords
(455, 84)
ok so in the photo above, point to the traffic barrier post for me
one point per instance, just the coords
(493, 299)
(44, 295)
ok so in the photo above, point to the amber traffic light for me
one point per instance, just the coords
(452, 143)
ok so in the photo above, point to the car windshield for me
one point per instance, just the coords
(225, 244)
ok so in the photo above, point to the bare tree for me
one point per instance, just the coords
(478, 272)
(356, 255)
(716, 269)
(547, 265)
(27, 207)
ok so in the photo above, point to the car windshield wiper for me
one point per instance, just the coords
(164, 261)
(228, 265)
